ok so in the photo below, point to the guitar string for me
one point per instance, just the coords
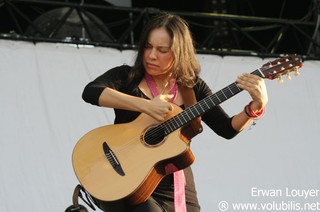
(124, 146)
(215, 98)
(156, 134)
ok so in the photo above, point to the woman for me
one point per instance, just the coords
(165, 63)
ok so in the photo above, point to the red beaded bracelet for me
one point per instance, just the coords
(250, 113)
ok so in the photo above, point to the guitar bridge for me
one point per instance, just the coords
(111, 157)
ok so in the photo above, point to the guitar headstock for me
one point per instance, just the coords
(282, 66)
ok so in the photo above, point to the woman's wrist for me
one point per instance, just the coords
(251, 112)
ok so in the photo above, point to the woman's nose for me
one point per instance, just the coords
(153, 53)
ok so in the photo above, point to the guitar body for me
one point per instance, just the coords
(134, 168)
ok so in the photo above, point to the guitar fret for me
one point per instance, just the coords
(185, 120)
(210, 103)
(216, 100)
(190, 118)
(203, 110)
(227, 92)
(224, 94)
(211, 100)
(169, 126)
(233, 87)
(180, 120)
(190, 111)
(258, 73)
(207, 104)
(195, 112)
(239, 89)
(230, 90)
(175, 124)
(217, 97)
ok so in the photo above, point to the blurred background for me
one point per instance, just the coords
(219, 26)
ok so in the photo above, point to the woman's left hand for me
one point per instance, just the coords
(256, 87)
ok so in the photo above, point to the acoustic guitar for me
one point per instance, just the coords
(126, 162)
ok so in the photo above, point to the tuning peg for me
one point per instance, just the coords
(288, 75)
(296, 71)
(280, 80)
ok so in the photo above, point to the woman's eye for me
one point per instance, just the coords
(163, 50)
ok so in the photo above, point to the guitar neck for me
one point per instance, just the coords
(203, 106)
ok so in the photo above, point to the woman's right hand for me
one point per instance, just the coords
(159, 107)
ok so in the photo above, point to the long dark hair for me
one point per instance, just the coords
(186, 67)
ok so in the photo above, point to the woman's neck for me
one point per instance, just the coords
(169, 86)
(163, 82)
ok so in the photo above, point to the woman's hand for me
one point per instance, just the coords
(256, 87)
(159, 107)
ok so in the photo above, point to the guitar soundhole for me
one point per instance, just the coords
(154, 136)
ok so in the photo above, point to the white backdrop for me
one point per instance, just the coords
(42, 116)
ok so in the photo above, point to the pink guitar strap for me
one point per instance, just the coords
(178, 175)
(190, 131)
(179, 183)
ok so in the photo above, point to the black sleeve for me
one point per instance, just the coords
(217, 119)
(114, 78)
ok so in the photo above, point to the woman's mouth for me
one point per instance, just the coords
(151, 65)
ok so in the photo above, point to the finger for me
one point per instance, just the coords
(252, 76)
(167, 97)
(249, 78)
(171, 107)
(242, 79)
(249, 83)
(160, 118)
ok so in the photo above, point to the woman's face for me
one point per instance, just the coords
(158, 58)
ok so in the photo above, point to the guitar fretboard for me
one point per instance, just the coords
(202, 106)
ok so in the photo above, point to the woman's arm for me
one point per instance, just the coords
(105, 91)
(157, 108)
(256, 87)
